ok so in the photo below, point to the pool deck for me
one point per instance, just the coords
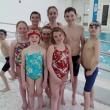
(11, 100)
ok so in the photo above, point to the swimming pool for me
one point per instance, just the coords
(105, 47)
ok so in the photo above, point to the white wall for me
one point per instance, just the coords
(11, 10)
(79, 6)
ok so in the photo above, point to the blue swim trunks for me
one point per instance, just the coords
(90, 80)
(34, 65)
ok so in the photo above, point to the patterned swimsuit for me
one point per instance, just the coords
(18, 51)
(34, 65)
(60, 62)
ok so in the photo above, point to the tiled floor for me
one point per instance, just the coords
(11, 100)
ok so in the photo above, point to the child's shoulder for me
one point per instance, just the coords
(79, 27)
(5, 43)
(43, 50)
(13, 42)
(68, 47)
(51, 47)
(26, 50)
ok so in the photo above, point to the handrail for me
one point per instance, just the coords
(7, 23)
(107, 70)
(105, 41)
(105, 53)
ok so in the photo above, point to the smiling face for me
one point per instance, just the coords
(46, 34)
(34, 39)
(70, 17)
(58, 37)
(52, 14)
(22, 28)
(35, 19)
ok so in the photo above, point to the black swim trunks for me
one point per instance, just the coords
(6, 65)
(76, 65)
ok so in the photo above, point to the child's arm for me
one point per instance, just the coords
(23, 69)
(12, 58)
(70, 62)
(49, 63)
(45, 69)
(82, 37)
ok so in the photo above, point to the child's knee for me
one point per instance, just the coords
(54, 96)
(39, 92)
(31, 93)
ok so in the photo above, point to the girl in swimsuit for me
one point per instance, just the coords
(52, 13)
(33, 65)
(17, 46)
(59, 64)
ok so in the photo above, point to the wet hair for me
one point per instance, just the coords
(67, 10)
(35, 12)
(4, 31)
(23, 23)
(57, 29)
(95, 23)
(52, 7)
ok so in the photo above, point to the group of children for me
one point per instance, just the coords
(42, 58)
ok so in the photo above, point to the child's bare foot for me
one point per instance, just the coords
(91, 105)
(5, 89)
(24, 107)
(74, 102)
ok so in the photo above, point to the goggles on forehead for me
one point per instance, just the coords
(96, 24)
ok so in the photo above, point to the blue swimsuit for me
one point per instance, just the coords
(34, 65)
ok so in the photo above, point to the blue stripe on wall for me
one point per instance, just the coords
(95, 9)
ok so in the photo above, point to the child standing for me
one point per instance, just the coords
(74, 38)
(15, 56)
(33, 64)
(59, 64)
(45, 43)
(5, 51)
(90, 59)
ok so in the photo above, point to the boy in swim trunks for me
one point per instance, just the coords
(5, 51)
(34, 68)
(74, 38)
(89, 60)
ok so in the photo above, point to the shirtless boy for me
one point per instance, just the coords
(90, 60)
(5, 51)
(75, 38)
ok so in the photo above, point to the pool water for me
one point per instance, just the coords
(105, 47)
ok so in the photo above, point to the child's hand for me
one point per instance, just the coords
(24, 84)
(89, 73)
(79, 61)
(13, 74)
(44, 84)
(58, 80)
